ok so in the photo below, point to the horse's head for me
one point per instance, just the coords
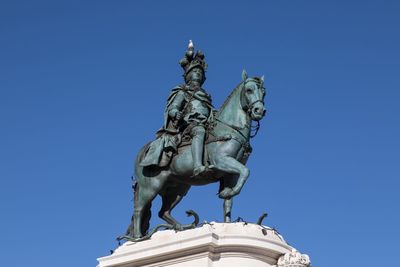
(252, 96)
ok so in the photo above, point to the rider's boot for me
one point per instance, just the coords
(197, 150)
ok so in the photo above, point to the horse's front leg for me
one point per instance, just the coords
(228, 209)
(228, 181)
(230, 165)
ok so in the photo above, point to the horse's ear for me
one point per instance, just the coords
(244, 75)
(262, 78)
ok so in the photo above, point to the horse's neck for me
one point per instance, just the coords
(232, 114)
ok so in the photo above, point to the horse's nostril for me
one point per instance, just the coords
(256, 110)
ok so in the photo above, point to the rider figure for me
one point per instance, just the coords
(189, 106)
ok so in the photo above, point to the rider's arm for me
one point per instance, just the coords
(176, 105)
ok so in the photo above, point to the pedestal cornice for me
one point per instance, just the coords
(213, 244)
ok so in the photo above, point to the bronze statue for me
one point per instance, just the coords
(188, 111)
(196, 145)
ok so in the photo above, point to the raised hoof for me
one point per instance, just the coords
(227, 193)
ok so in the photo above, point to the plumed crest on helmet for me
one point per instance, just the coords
(193, 60)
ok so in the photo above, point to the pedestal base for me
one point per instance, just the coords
(212, 245)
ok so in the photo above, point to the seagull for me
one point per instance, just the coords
(190, 44)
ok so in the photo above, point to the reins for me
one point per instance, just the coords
(253, 128)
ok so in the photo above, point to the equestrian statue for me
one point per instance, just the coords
(196, 145)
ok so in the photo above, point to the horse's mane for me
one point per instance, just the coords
(229, 97)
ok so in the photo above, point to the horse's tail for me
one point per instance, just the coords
(138, 175)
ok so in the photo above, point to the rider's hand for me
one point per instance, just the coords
(178, 115)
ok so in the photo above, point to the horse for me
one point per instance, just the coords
(227, 150)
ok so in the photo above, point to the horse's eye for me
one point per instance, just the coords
(248, 90)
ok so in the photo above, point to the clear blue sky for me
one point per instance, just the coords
(83, 85)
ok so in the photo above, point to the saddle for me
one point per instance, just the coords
(161, 151)
(186, 140)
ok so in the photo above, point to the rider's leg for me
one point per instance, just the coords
(198, 132)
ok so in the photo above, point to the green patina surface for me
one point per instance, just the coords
(196, 145)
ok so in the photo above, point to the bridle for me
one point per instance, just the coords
(247, 108)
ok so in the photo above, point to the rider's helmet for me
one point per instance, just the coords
(194, 65)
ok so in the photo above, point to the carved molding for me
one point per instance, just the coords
(294, 259)
(212, 244)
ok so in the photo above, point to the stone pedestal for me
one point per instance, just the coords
(212, 245)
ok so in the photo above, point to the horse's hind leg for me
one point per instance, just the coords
(146, 215)
(141, 216)
(170, 198)
(146, 191)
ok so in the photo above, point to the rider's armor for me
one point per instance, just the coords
(193, 104)
(187, 112)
